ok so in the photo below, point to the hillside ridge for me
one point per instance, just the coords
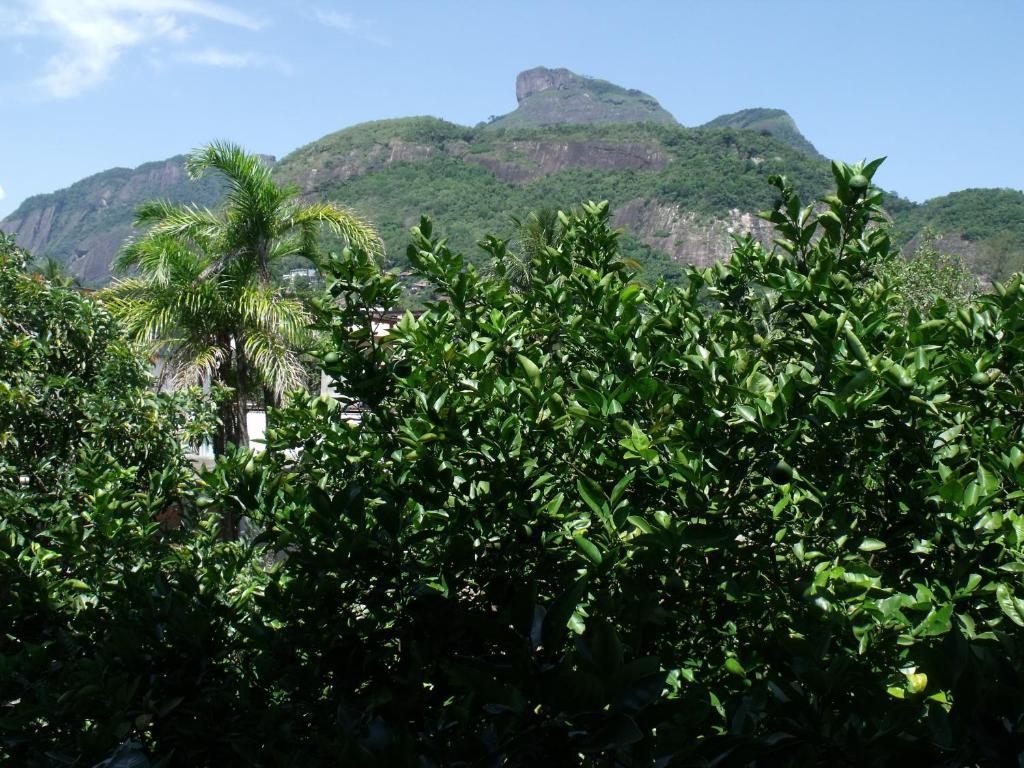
(680, 192)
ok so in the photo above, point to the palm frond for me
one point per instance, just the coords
(268, 311)
(252, 195)
(159, 256)
(193, 362)
(274, 362)
(340, 220)
(193, 222)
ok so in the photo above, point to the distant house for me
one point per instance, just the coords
(305, 277)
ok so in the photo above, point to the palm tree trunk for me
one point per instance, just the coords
(233, 427)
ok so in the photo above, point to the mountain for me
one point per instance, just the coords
(984, 226)
(83, 226)
(679, 192)
(558, 96)
(773, 122)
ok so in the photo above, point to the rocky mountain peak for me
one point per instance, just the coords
(560, 96)
(541, 79)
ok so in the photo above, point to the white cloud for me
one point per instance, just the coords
(2, 193)
(215, 57)
(93, 34)
(336, 19)
(350, 25)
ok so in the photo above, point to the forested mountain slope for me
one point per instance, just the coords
(679, 192)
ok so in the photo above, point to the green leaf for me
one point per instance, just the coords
(747, 413)
(531, 369)
(871, 545)
(592, 495)
(937, 622)
(1012, 606)
(620, 487)
(640, 523)
(854, 342)
(629, 293)
(733, 665)
(588, 548)
(870, 168)
(561, 610)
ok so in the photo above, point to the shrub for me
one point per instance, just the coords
(759, 518)
(768, 516)
(97, 590)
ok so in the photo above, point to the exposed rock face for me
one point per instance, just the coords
(686, 236)
(84, 225)
(541, 79)
(558, 96)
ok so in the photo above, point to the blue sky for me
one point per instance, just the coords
(86, 85)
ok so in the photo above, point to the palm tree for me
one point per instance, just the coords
(261, 221)
(541, 229)
(203, 298)
(225, 328)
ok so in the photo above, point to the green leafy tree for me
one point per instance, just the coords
(204, 300)
(95, 491)
(73, 389)
(928, 276)
(762, 517)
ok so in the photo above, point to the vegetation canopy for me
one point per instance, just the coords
(203, 300)
(770, 515)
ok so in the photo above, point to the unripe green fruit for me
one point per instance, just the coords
(780, 472)
(331, 358)
(859, 182)
(981, 380)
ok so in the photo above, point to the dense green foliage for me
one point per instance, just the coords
(767, 516)
(598, 518)
(991, 221)
(74, 394)
(91, 462)
(927, 277)
(976, 214)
